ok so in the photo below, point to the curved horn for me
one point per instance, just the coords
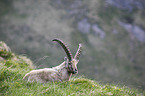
(77, 56)
(65, 47)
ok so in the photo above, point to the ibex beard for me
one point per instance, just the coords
(62, 72)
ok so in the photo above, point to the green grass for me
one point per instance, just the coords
(119, 57)
(13, 69)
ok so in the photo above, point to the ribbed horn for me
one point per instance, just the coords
(65, 47)
(77, 56)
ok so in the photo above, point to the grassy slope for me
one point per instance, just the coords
(106, 64)
(29, 26)
(13, 67)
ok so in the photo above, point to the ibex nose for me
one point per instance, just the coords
(75, 71)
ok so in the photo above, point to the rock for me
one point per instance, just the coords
(135, 30)
(4, 47)
(115, 31)
(98, 31)
(84, 26)
(139, 33)
(127, 4)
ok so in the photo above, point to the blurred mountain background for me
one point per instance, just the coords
(112, 33)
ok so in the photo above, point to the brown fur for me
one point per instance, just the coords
(58, 73)
(63, 72)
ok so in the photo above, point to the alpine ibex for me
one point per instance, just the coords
(62, 72)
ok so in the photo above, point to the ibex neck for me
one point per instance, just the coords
(63, 72)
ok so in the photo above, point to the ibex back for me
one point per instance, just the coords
(62, 72)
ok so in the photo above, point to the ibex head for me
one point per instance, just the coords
(71, 63)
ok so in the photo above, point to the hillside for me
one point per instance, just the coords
(112, 33)
(13, 67)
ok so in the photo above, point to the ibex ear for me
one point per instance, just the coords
(65, 59)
